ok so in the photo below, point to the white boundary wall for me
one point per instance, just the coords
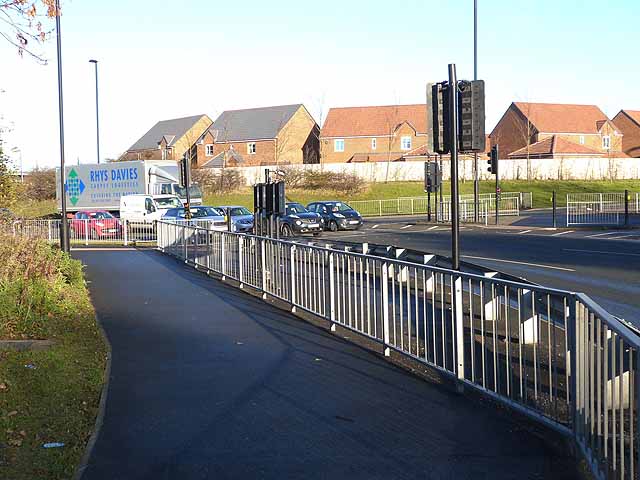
(569, 168)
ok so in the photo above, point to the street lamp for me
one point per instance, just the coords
(476, 182)
(64, 228)
(17, 150)
(95, 63)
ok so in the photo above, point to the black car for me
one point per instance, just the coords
(337, 215)
(299, 220)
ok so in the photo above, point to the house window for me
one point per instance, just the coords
(338, 145)
(581, 139)
(208, 150)
(405, 143)
(251, 148)
(374, 143)
(606, 142)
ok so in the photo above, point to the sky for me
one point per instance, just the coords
(161, 59)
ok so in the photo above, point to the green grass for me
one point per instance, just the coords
(35, 208)
(542, 191)
(43, 295)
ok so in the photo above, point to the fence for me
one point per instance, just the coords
(486, 208)
(87, 231)
(607, 209)
(552, 354)
(418, 205)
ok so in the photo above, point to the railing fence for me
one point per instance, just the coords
(606, 209)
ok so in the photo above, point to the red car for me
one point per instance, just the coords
(96, 224)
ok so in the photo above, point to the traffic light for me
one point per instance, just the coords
(471, 115)
(184, 171)
(493, 160)
(438, 116)
(432, 176)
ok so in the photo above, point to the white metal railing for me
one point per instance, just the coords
(600, 208)
(87, 231)
(418, 205)
(509, 206)
(553, 354)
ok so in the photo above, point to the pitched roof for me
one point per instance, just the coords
(554, 145)
(252, 123)
(372, 121)
(172, 130)
(562, 118)
(632, 114)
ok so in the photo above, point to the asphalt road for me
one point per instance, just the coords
(603, 264)
(209, 382)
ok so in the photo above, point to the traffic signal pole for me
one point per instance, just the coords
(453, 145)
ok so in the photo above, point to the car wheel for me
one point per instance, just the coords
(333, 226)
(286, 231)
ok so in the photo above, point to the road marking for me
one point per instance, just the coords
(432, 228)
(601, 251)
(521, 263)
(601, 234)
(104, 249)
(338, 237)
(562, 233)
(523, 232)
(622, 236)
(375, 226)
(406, 226)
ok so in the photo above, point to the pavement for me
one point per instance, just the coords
(605, 264)
(210, 382)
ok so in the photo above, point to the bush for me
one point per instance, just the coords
(303, 179)
(40, 184)
(219, 181)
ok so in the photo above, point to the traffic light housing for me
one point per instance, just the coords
(493, 160)
(471, 116)
(432, 176)
(438, 117)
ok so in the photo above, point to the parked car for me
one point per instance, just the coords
(201, 216)
(145, 209)
(96, 224)
(241, 218)
(337, 215)
(298, 219)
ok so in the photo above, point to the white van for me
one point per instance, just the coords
(146, 208)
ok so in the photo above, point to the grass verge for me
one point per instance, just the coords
(51, 395)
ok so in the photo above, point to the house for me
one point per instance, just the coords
(168, 139)
(281, 135)
(549, 130)
(373, 134)
(628, 121)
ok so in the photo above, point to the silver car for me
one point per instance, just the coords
(241, 217)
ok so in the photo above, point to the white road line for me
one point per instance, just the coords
(601, 234)
(339, 237)
(622, 236)
(521, 263)
(562, 233)
(432, 228)
(406, 226)
(375, 226)
(523, 232)
(103, 249)
(601, 251)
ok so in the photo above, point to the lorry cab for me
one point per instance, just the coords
(141, 208)
(179, 191)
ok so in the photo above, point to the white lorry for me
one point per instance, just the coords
(145, 209)
(100, 186)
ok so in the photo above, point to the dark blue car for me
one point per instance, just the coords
(336, 215)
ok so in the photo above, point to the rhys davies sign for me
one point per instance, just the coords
(97, 187)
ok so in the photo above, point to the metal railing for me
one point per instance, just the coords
(553, 354)
(606, 209)
(486, 208)
(418, 205)
(87, 231)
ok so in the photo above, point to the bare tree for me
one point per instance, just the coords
(391, 129)
(26, 25)
(526, 131)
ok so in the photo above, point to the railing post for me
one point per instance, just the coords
(384, 304)
(86, 231)
(292, 259)
(263, 255)
(459, 319)
(626, 208)
(240, 261)
(125, 227)
(412, 206)
(332, 292)
(184, 244)
(223, 256)
(380, 207)
(572, 352)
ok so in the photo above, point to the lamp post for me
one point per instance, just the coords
(476, 182)
(16, 149)
(64, 228)
(95, 63)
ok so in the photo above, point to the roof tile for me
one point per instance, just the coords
(372, 121)
(562, 118)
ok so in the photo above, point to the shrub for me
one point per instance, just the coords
(40, 184)
(219, 181)
(344, 183)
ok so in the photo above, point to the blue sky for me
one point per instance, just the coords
(162, 59)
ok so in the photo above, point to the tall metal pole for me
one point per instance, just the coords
(476, 181)
(64, 234)
(95, 63)
(453, 146)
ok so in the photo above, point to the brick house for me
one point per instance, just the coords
(168, 139)
(546, 130)
(628, 121)
(281, 135)
(373, 134)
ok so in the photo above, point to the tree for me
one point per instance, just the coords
(40, 184)
(9, 183)
(526, 131)
(25, 24)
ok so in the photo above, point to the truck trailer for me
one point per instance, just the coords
(100, 186)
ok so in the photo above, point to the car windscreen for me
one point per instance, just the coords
(294, 208)
(339, 207)
(100, 215)
(199, 212)
(239, 211)
(194, 191)
(168, 202)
